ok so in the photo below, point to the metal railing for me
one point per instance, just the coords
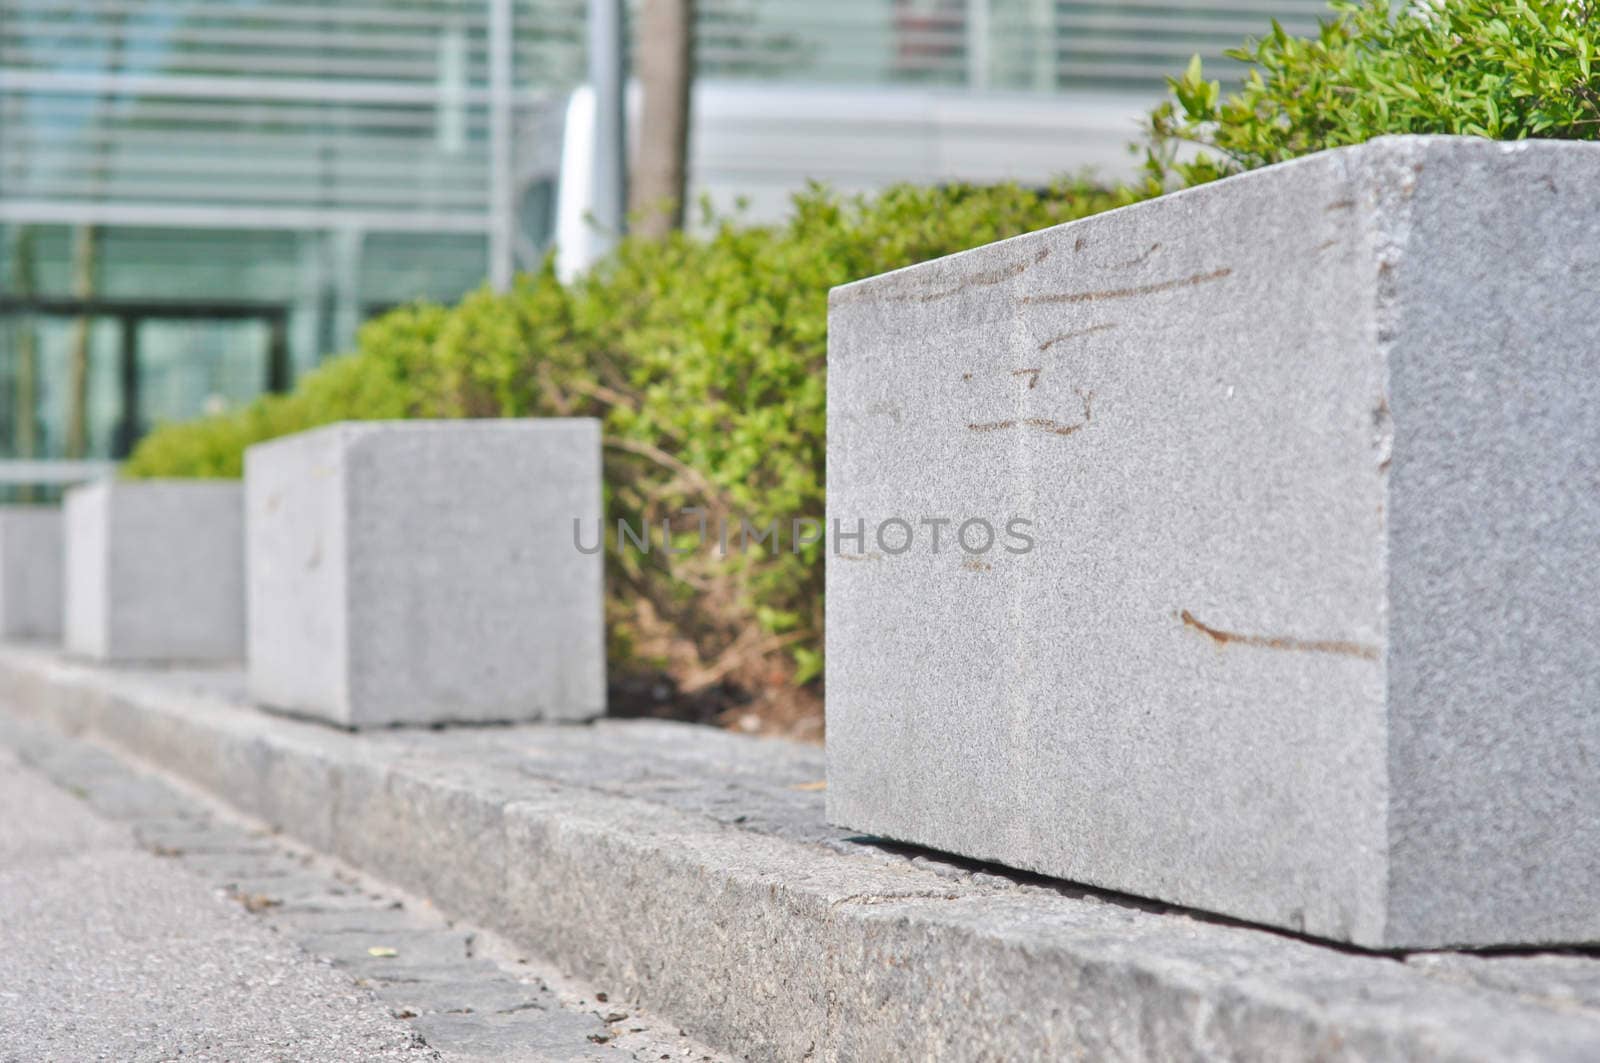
(24, 472)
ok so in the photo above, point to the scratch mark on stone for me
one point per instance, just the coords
(1279, 642)
(1129, 293)
(991, 277)
(972, 564)
(1075, 334)
(1140, 260)
(1044, 424)
(1055, 427)
(1031, 374)
(1383, 433)
(885, 409)
(986, 279)
(1325, 245)
(892, 898)
(1340, 204)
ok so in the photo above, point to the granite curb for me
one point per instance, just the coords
(694, 871)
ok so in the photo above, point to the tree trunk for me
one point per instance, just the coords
(26, 442)
(666, 70)
(84, 252)
(83, 269)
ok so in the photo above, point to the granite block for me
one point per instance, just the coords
(1309, 630)
(154, 570)
(30, 572)
(425, 572)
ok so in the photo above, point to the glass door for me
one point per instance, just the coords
(89, 386)
(192, 367)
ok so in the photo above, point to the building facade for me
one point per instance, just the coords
(200, 199)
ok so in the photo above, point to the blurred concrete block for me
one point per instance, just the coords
(30, 572)
(423, 572)
(1310, 631)
(154, 570)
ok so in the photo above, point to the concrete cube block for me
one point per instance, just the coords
(154, 570)
(30, 572)
(423, 572)
(1309, 630)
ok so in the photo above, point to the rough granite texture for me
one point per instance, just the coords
(1308, 636)
(422, 572)
(30, 572)
(692, 871)
(154, 571)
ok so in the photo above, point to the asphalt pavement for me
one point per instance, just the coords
(138, 924)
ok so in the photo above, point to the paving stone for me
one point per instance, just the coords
(449, 993)
(512, 1036)
(411, 948)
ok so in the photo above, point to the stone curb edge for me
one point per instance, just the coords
(775, 949)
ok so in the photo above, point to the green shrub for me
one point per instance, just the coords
(725, 344)
(376, 383)
(1505, 69)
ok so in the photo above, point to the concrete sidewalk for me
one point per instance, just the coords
(138, 923)
(692, 871)
(106, 952)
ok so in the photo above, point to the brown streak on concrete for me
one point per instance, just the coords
(1031, 374)
(993, 276)
(1091, 330)
(981, 280)
(1279, 642)
(1129, 293)
(1045, 424)
(1140, 260)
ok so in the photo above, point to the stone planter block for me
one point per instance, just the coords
(425, 572)
(154, 570)
(1309, 633)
